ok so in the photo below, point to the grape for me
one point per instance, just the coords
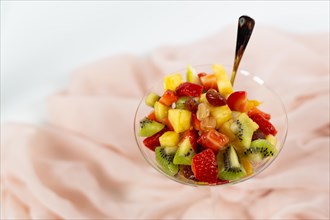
(191, 104)
(208, 123)
(187, 172)
(203, 111)
(187, 102)
(215, 98)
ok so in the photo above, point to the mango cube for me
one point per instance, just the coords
(172, 81)
(169, 139)
(180, 119)
(252, 103)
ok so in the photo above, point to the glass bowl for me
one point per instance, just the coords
(245, 81)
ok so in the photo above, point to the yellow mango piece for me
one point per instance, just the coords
(221, 114)
(172, 81)
(224, 85)
(169, 139)
(247, 166)
(252, 103)
(180, 119)
(161, 111)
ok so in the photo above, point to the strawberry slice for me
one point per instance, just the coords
(168, 98)
(195, 122)
(237, 101)
(204, 166)
(264, 125)
(213, 140)
(189, 89)
(257, 111)
(153, 141)
(209, 81)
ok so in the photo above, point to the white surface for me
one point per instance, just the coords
(43, 41)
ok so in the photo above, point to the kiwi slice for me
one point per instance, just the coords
(259, 150)
(149, 127)
(184, 153)
(151, 99)
(186, 102)
(164, 157)
(243, 127)
(229, 165)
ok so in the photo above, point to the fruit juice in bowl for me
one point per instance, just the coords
(196, 129)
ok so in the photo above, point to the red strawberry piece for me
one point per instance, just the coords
(168, 124)
(237, 101)
(189, 89)
(209, 81)
(257, 111)
(213, 140)
(153, 141)
(168, 98)
(204, 166)
(195, 122)
(264, 125)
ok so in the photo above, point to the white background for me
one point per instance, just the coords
(43, 41)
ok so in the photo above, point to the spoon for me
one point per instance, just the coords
(244, 31)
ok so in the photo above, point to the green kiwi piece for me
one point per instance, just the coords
(185, 153)
(229, 165)
(181, 102)
(151, 99)
(259, 150)
(164, 157)
(149, 127)
(243, 127)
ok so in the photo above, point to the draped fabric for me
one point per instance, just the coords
(83, 162)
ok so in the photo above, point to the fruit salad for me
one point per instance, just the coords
(204, 132)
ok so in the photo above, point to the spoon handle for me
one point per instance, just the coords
(244, 31)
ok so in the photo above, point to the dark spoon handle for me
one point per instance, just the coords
(244, 31)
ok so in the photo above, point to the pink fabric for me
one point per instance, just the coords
(84, 162)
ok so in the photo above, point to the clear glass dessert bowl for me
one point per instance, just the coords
(256, 90)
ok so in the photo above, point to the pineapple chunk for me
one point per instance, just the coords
(161, 111)
(191, 75)
(180, 119)
(172, 81)
(224, 85)
(169, 139)
(221, 114)
(203, 98)
(272, 139)
(225, 129)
